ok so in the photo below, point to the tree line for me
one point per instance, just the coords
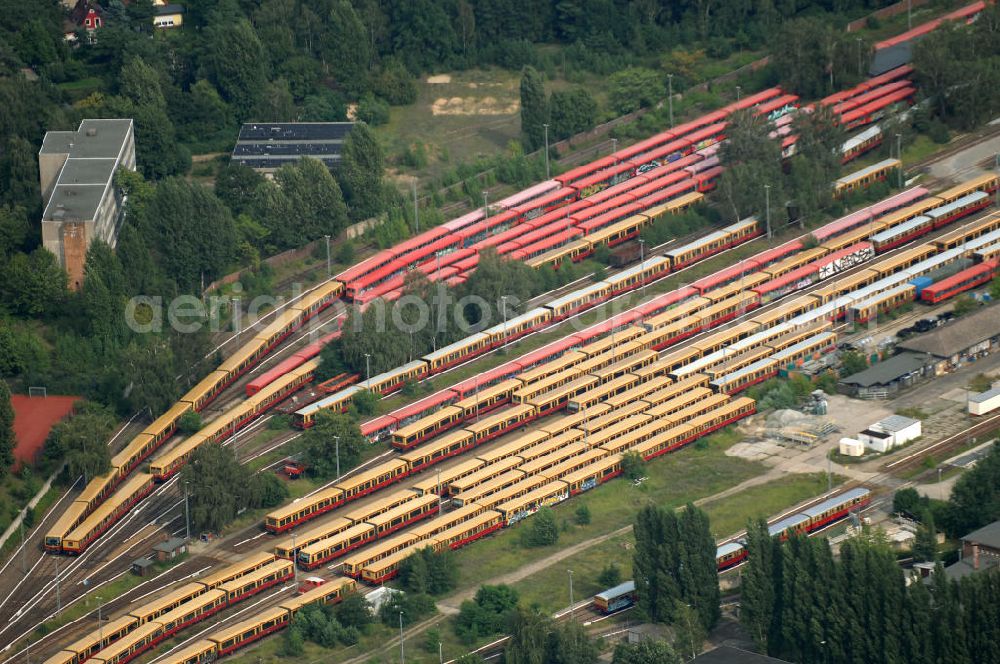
(801, 604)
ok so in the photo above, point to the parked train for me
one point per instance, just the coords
(734, 553)
(140, 447)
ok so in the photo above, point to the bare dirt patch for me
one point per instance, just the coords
(474, 106)
(439, 79)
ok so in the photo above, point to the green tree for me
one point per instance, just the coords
(751, 160)
(313, 198)
(542, 529)
(852, 362)
(646, 651)
(235, 185)
(634, 88)
(7, 440)
(571, 112)
(689, 634)
(534, 109)
(320, 443)
(633, 466)
(148, 363)
(219, 487)
(529, 631)
(610, 576)
(345, 48)
(34, 284)
(757, 612)
(14, 229)
(582, 515)
(275, 103)
(975, 498)
(192, 231)
(674, 562)
(486, 614)
(294, 645)
(360, 173)
(235, 62)
(908, 501)
(205, 113)
(354, 611)
(82, 441)
(925, 543)
(104, 295)
(569, 643)
(19, 170)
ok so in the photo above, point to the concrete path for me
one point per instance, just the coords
(966, 164)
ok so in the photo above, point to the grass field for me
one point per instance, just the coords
(457, 117)
(549, 588)
(672, 480)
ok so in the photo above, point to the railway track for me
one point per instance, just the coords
(130, 530)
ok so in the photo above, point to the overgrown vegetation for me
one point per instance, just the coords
(220, 488)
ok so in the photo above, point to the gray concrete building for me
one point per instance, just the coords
(76, 170)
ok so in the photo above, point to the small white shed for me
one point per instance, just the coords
(984, 402)
(890, 433)
(852, 447)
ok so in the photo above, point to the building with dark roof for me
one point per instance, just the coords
(886, 378)
(959, 341)
(266, 147)
(76, 170)
(980, 551)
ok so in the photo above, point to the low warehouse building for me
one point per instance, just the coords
(885, 379)
(959, 342)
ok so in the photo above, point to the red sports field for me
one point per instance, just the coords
(33, 418)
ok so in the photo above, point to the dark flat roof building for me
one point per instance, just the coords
(887, 377)
(267, 146)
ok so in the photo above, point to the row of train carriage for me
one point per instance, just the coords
(806, 316)
(70, 523)
(295, 315)
(148, 624)
(731, 554)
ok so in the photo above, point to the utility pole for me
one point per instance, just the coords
(440, 653)
(614, 145)
(546, 125)
(295, 567)
(570, 592)
(368, 367)
(909, 14)
(829, 475)
(336, 443)
(440, 499)
(402, 655)
(20, 526)
(642, 259)
(416, 207)
(670, 97)
(767, 205)
(100, 623)
(859, 55)
(503, 302)
(486, 204)
(738, 91)
(187, 513)
(58, 590)
(327, 255)
(899, 153)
